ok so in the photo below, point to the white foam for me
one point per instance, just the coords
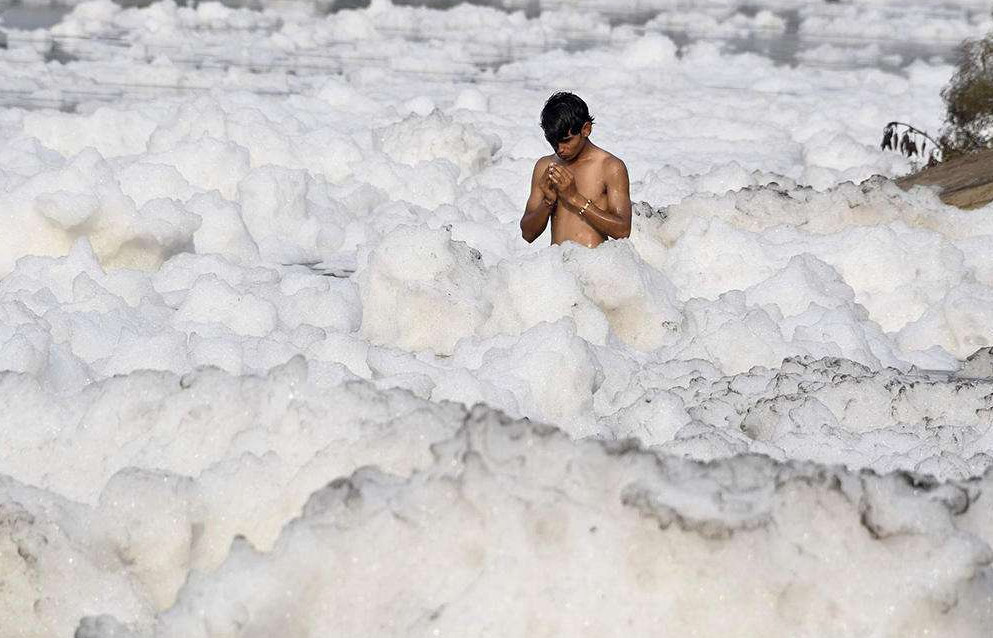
(293, 252)
(518, 509)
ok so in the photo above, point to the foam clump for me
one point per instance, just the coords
(290, 217)
(957, 322)
(415, 274)
(207, 163)
(232, 455)
(472, 100)
(419, 291)
(651, 51)
(265, 133)
(433, 135)
(508, 507)
(902, 254)
(608, 289)
(70, 321)
(47, 548)
(213, 300)
(111, 132)
(550, 372)
(222, 229)
(828, 410)
(83, 199)
(639, 303)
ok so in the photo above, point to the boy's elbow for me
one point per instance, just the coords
(528, 233)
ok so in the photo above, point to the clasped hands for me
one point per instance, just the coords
(557, 183)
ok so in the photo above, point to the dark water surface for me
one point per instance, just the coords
(27, 17)
(782, 47)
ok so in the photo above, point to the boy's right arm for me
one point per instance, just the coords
(538, 208)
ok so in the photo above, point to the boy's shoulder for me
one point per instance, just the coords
(610, 162)
(543, 162)
(608, 157)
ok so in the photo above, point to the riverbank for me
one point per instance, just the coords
(966, 182)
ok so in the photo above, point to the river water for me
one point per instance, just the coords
(784, 46)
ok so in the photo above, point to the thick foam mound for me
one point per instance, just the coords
(423, 291)
(162, 471)
(830, 410)
(437, 136)
(905, 256)
(150, 475)
(516, 527)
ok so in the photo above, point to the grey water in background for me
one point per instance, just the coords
(783, 47)
(31, 17)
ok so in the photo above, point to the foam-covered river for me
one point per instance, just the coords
(258, 266)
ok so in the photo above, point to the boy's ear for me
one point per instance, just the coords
(587, 129)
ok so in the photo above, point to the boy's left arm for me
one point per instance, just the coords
(619, 196)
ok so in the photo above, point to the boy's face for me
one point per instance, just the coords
(570, 146)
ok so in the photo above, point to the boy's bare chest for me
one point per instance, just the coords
(590, 182)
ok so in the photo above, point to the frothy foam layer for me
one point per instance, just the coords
(163, 471)
(518, 527)
(214, 307)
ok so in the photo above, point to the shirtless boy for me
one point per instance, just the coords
(581, 187)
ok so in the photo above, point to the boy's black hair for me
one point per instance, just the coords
(563, 115)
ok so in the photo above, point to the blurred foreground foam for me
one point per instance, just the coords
(504, 523)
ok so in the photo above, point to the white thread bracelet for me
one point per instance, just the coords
(585, 206)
